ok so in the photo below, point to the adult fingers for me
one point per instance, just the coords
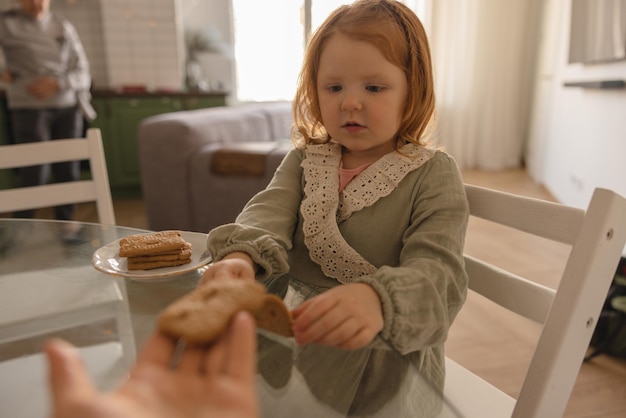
(240, 358)
(158, 349)
(192, 361)
(67, 376)
(215, 355)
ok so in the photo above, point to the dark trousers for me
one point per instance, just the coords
(34, 125)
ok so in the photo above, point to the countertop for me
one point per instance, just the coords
(104, 92)
(154, 93)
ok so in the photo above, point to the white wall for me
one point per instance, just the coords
(130, 42)
(134, 42)
(142, 43)
(216, 17)
(578, 139)
(86, 18)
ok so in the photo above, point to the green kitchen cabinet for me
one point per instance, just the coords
(191, 103)
(119, 117)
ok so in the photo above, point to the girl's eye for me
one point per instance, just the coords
(374, 89)
(334, 88)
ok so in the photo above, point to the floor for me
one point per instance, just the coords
(498, 347)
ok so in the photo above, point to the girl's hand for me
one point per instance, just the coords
(347, 316)
(233, 266)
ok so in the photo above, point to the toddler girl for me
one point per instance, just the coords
(362, 221)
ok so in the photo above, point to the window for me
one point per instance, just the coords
(270, 40)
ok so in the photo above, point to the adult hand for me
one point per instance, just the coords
(234, 266)
(347, 316)
(5, 76)
(43, 87)
(218, 381)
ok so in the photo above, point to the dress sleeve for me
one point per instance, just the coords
(423, 294)
(265, 227)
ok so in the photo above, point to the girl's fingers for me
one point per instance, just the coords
(311, 311)
(359, 340)
(338, 335)
(314, 324)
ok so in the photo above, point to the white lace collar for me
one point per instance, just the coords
(323, 208)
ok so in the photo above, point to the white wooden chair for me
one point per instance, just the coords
(56, 305)
(568, 314)
(95, 190)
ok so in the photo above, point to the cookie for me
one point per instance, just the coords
(149, 265)
(274, 316)
(182, 254)
(203, 314)
(146, 244)
(132, 239)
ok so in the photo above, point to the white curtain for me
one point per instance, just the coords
(484, 55)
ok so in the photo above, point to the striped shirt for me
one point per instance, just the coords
(46, 47)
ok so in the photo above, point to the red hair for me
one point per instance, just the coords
(398, 34)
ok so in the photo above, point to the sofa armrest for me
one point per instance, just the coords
(242, 158)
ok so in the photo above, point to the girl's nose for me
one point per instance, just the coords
(351, 103)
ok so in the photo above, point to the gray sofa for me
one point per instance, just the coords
(199, 167)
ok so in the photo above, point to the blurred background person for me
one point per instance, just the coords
(48, 81)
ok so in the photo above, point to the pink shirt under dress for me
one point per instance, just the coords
(346, 175)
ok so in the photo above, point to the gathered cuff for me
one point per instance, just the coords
(264, 252)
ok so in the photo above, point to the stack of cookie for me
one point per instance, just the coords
(159, 249)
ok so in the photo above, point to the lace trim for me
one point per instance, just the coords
(322, 208)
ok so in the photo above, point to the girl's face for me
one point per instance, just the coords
(361, 96)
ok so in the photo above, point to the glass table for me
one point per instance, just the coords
(49, 287)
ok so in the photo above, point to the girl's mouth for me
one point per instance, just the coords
(352, 127)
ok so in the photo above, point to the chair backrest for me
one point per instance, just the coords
(74, 149)
(569, 312)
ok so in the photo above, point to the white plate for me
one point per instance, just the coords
(107, 260)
